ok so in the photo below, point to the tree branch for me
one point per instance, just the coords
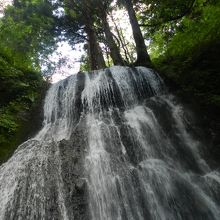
(186, 12)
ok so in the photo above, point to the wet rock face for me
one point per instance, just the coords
(51, 182)
(114, 145)
(72, 154)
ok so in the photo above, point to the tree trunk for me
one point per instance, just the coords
(121, 40)
(114, 50)
(143, 57)
(95, 53)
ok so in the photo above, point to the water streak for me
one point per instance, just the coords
(114, 145)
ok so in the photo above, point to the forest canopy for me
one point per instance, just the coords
(30, 30)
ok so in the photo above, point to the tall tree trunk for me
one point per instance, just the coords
(94, 50)
(121, 40)
(95, 53)
(114, 50)
(143, 57)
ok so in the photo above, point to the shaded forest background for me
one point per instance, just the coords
(180, 39)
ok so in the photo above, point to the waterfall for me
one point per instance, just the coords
(114, 145)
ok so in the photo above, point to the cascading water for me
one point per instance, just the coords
(114, 146)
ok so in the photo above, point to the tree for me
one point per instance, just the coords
(3, 4)
(156, 13)
(28, 33)
(102, 8)
(143, 57)
(80, 13)
(162, 20)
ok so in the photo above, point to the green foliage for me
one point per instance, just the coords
(198, 28)
(196, 32)
(20, 91)
(7, 123)
(196, 75)
(27, 33)
(84, 64)
(154, 13)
